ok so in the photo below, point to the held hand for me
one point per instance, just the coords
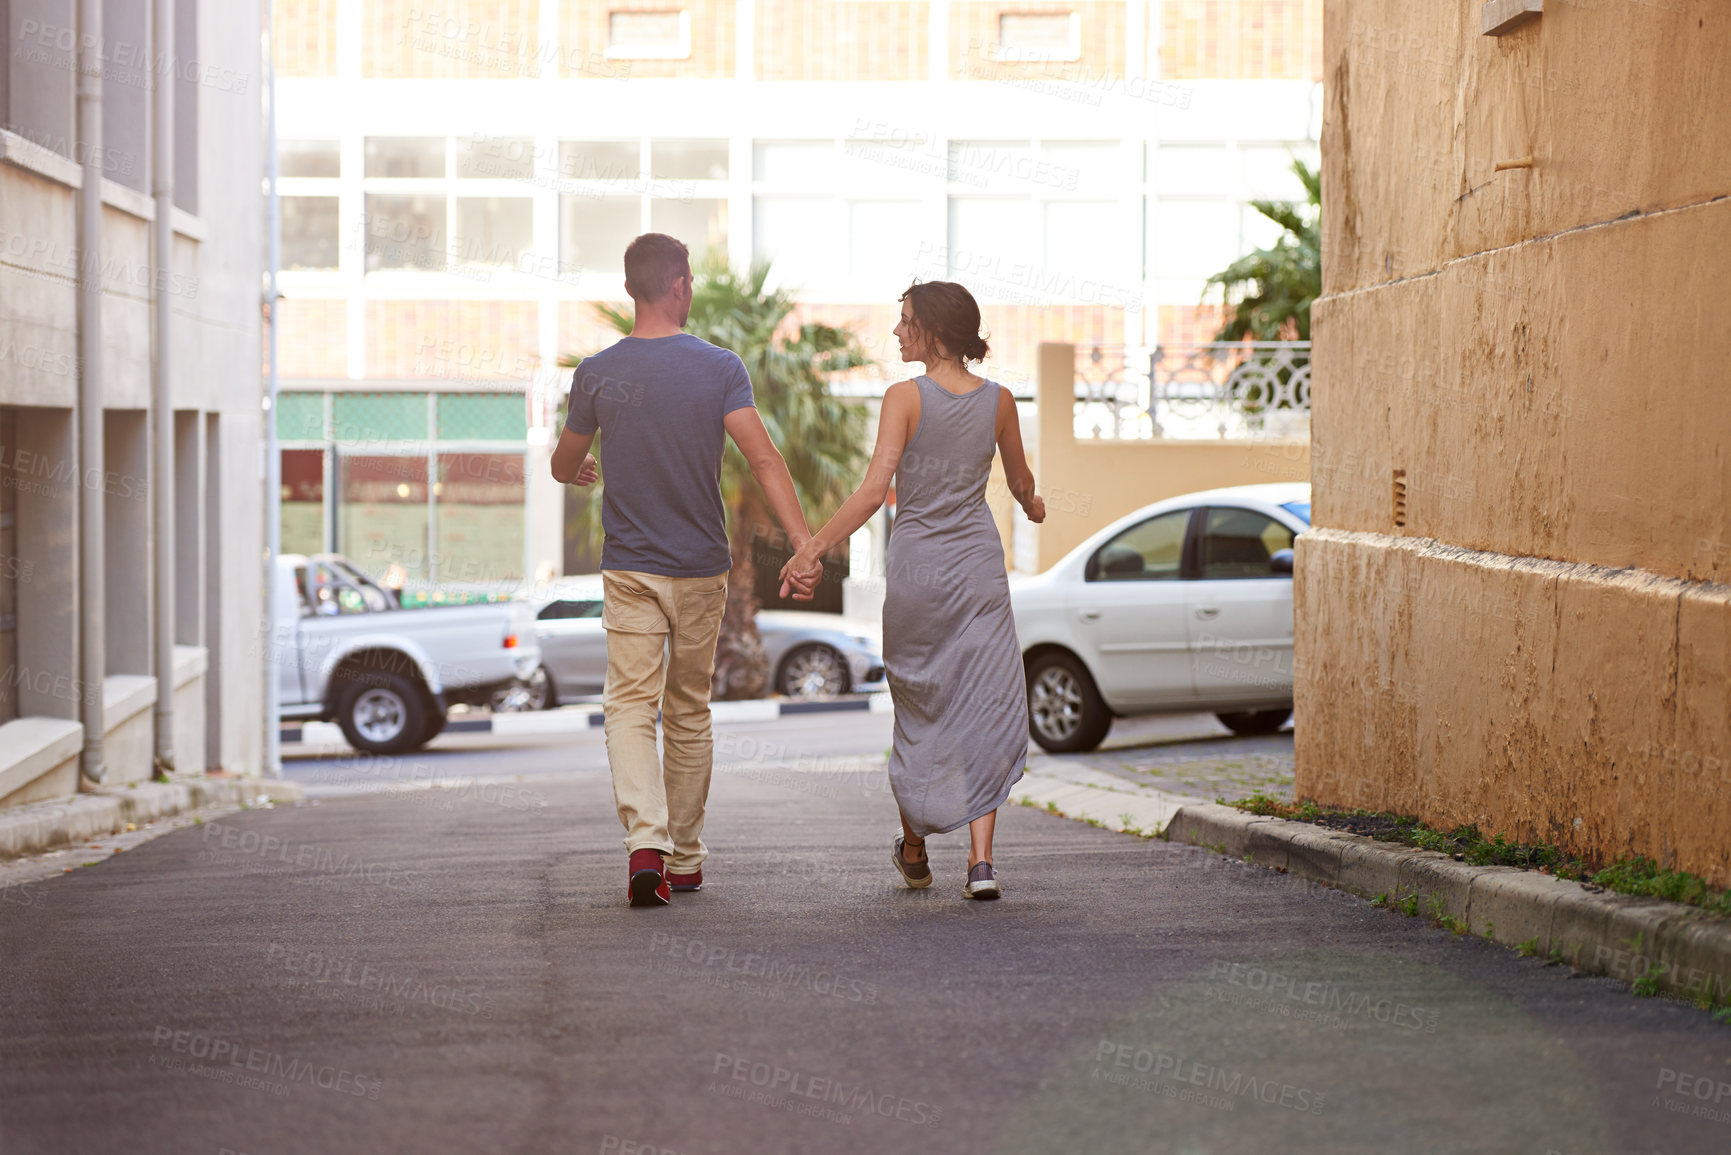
(801, 574)
(588, 471)
(1035, 509)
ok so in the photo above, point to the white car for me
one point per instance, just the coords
(811, 655)
(1183, 606)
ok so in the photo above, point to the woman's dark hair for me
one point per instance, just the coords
(948, 314)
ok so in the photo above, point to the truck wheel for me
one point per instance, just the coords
(383, 713)
(1065, 713)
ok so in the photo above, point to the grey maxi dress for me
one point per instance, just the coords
(950, 649)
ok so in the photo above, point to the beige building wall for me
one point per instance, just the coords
(1513, 611)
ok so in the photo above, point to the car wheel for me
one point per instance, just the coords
(434, 727)
(382, 713)
(532, 693)
(1065, 712)
(1254, 722)
(813, 672)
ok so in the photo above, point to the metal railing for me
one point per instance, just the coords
(1250, 389)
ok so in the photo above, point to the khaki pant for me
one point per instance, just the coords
(661, 634)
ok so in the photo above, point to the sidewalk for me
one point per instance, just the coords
(1667, 947)
(39, 826)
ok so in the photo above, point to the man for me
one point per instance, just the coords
(663, 398)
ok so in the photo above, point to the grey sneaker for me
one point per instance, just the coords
(982, 882)
(915, 874)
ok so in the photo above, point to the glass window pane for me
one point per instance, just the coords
(886, 242)
(495, 157)
(1268, 174)
(308, 158)
(1191, 169)
(309, 232)
(1237, 543)
(593, 232)
(494, 231)
(405, 156)
(1150, 551)
(646, 34)
(600, 159)
(303, 501)
(405, 232)
(1084, 245)
(1085, 166)
(791, 161)
(793, 234)
(382, 518)
(990, 164)
(480, 498)
(701, 224)
(1193, 238)
(989, 239)
(688, 159)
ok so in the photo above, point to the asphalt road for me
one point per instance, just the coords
(455, 969)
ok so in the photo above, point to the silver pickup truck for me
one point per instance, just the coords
(344, 651)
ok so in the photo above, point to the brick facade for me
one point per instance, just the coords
(842, 39)
(453, 340)
(312, 340)
(304, 33)
(449, 39)
(583, 41)
(1241, 40)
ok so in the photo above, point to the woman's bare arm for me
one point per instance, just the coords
(896, 425)
(1016, 471)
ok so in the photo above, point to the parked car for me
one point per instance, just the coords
(344, 651)
(1183, 606)
(810, 655)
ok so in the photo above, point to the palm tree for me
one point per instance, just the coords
(821, 436)
(1270, 290)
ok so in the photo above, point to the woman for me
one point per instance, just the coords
(954, 666)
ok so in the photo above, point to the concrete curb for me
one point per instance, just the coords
(40, 826)
(1685, 951)
(573, 719)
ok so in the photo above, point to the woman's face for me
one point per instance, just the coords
(908, 335)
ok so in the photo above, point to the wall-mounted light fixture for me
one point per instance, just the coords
(1502, 16)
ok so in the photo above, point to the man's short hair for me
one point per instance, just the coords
(652, 263)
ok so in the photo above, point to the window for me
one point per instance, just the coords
(494, 231)
(1152, 550)
(382, 512)
(600, 159)
(701, 224)
(1192, 238)
(312, 158)
(788, 232)
(405, 156)
(1301, 508)
(1039, 36)
(664, 35)
(688, 159)
(569, 608)
(1237, 543)
(309, 232)
(303, 501)
(594, 230)
(792, 161)
(405, 232)
(480, 532)
(994, 236)
(495, 158)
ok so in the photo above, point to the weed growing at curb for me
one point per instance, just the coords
(1637, 876)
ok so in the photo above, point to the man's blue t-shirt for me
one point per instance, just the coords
(658, 403)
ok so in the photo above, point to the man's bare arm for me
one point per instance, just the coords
(745, 426)
(571, 461)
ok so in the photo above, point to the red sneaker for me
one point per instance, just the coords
(648, 885)
(692, 881)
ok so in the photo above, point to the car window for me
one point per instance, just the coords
(1149, 551)
(1238, 543)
